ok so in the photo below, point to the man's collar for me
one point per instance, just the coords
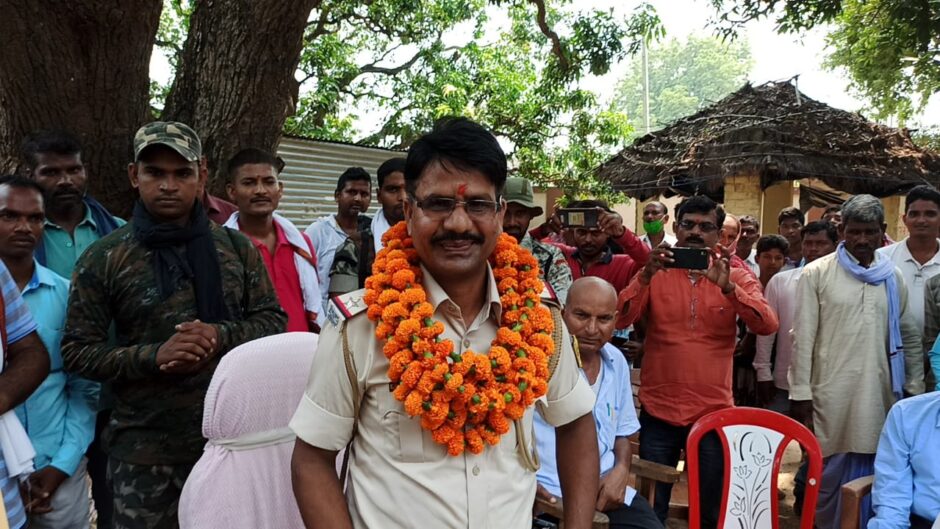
(607, 352)
(902, 247)
(437, 295)
(42, 276)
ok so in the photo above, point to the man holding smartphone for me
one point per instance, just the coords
(689, 349)
(591, 254)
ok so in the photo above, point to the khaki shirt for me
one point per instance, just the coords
(398, 475)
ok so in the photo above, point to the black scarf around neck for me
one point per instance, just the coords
(199, 261)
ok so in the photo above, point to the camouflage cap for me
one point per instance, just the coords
(519, 190)
(177, 136)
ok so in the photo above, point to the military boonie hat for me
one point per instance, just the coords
(519, 190)
(177, 136)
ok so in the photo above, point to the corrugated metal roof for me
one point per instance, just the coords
(313, 166)
(338, 142)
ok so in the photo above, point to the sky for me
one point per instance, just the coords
(776, 57)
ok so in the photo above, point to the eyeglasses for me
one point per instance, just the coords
(441, 207)
(705, 227)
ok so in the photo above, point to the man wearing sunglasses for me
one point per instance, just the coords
(691, 320)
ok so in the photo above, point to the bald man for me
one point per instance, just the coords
(728, 239)
(730, 232)
(591, 315)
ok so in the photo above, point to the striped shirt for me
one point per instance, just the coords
(16, 514)
(19, 323)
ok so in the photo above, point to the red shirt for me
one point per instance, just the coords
(690, 339)
(283, 273)
(616, 269)
(217, 209)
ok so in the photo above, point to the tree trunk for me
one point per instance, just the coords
(82, 66)
(235, 84)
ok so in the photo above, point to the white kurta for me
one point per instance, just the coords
(840, 355)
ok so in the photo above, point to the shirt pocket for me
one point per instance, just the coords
(404, 435)
(721, 319)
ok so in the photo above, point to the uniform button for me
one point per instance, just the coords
(476, 470)
(466, 343)
(68, 244)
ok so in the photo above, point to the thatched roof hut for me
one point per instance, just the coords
(774, 133)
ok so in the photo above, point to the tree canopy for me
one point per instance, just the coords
(518, 67)
(684, 76)
(890, 48)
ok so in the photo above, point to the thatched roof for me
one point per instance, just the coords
(772, 132)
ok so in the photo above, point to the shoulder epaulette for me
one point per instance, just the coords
(345, 306)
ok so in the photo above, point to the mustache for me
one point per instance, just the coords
(452, 236)
(29, 238)
(693, 238)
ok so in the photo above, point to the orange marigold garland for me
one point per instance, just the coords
(466, 401)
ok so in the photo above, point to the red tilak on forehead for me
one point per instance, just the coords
(461, 189)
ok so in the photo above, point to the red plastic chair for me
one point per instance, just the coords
(754, 441)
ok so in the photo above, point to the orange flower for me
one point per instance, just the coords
(414, 403)
(388, 296)
(403, 279)
(456, 444)
(490, 436)
(407, 330)
(443, 434)
(466, 401)
(474, 441)
(398, 363)
(392, 313)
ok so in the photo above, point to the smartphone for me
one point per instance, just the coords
(689, 258)
(586, 217)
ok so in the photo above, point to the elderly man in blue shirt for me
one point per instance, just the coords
(906, 492)
(59, 416)
(591, 315)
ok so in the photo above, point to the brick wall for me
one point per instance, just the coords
(743, 195)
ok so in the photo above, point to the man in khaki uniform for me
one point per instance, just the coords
(398, 475)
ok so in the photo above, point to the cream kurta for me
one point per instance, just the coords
(398, 476)
(840, 355)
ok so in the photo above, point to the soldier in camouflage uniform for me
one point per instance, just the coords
(520, 210)
(181, 291)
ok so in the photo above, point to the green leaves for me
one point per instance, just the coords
(891, 51)
(683, 77)
(520, 67)
(889, 48)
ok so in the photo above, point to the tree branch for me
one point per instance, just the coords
(319, 26)
(550, 33)
(395, 70)
(168, 44)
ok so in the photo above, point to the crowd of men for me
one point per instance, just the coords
(112, 331)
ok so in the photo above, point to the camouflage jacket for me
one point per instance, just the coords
(157, 418)
(553, 265)
(353, 264)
